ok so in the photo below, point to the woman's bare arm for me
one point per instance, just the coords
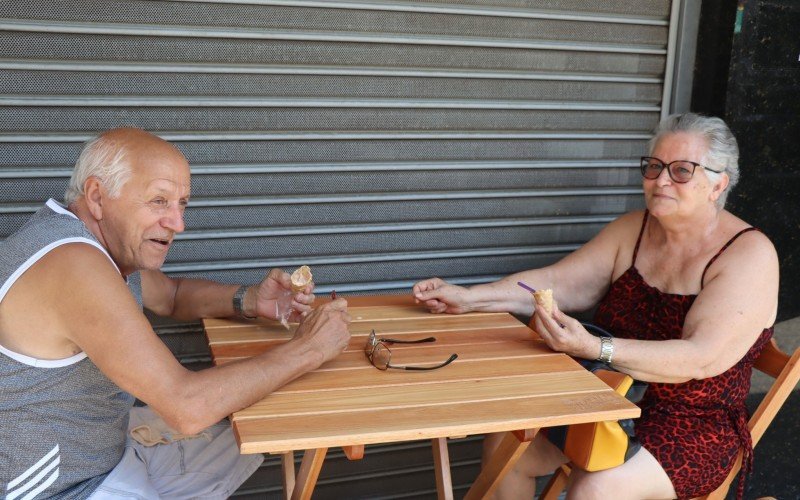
(578, 280)
(738, 300)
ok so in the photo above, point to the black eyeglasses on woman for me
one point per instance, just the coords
(680, 171)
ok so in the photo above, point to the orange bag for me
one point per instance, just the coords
(601, 445)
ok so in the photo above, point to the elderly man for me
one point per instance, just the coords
(76, 349)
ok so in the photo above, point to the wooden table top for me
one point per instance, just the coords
(504, 379)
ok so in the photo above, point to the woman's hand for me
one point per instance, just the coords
(441, 297)
(566, 334)
(274, 297)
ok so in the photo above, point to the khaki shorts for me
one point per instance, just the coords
(208, 467)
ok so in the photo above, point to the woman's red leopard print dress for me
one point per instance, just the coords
(694, 429)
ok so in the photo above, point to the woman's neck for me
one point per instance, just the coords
(680, 231)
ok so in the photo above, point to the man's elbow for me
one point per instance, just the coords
(187, 419)
(187, 411)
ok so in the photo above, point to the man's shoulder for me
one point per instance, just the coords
(50, 223)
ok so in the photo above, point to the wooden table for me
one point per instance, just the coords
(503, 380)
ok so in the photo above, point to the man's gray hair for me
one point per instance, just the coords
(723, 151)
(101, 158)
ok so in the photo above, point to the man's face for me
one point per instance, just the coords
(138, 226)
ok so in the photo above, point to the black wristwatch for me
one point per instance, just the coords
(238, 302)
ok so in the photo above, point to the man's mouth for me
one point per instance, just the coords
(161, 241)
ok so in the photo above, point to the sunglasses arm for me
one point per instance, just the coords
(421, 368)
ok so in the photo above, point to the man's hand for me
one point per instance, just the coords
(441, 297)
(274, 296)
(325, 330)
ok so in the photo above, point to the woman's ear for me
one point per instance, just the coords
(93, 194)
(720, 186)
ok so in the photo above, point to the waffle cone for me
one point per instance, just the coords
(544, 299)
(301, 278)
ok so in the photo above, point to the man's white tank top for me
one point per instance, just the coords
(63, 424)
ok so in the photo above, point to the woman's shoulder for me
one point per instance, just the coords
(634, 218)
(629, 223)
(732, 225)
(622, 232)
(740, 241)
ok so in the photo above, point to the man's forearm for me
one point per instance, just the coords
(209, 395)
(196, 299)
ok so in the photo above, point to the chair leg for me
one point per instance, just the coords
(557, 483)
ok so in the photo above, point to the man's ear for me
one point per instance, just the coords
(94, 193)
(720, 187)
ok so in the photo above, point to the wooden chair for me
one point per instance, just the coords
(772, 361)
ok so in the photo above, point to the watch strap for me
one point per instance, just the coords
(606, 350)
(238, 302)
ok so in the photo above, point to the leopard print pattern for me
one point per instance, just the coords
(696, 428)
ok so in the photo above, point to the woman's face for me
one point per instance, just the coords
(666, 197)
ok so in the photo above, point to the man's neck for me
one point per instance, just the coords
(82, 212)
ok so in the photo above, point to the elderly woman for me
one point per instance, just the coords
(690, 293)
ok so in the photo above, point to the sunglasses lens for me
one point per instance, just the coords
(371, 343)
(681, 171)
(381, 356)
(651, 168)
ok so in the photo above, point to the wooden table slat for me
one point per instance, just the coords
(237, 348)
(348, 401)
(393, 425)
(267, 330)
(433, 354)
(372, 378)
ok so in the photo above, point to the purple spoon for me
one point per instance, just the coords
(526, 287)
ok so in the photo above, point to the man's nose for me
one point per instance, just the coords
(173, 219)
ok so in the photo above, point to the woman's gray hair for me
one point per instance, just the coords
(101, 158)
(723, 151)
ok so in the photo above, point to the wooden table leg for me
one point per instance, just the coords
(441, 466)
(355, 452)
(309, 472)
(287, 466)
(501, 461)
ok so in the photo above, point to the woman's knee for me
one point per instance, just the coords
(593, 485)
(490, 443)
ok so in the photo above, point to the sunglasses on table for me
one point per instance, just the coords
(378, 352)
(680, 171)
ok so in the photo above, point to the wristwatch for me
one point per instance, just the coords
(238, 302)
(606, 350)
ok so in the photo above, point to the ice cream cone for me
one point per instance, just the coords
(544, 299)
(301, 278)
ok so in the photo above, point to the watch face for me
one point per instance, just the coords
(238, 299)
(238, 302)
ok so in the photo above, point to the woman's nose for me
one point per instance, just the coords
(663, 177)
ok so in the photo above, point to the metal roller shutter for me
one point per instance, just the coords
(379, 142)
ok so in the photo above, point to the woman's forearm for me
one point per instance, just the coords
(503, 295)
(664, 361)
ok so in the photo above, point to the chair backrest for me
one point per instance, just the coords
(785, 370)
